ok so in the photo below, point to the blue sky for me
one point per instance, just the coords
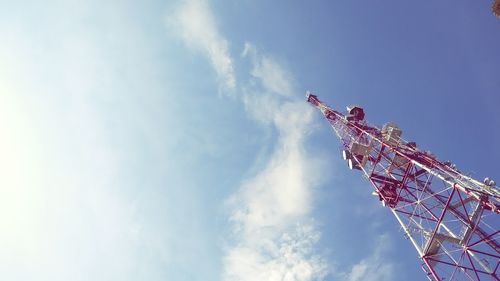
(170, 140)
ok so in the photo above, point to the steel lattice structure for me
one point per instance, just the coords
(450, 218)
(495, 8)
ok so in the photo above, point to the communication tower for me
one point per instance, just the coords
(451, 218)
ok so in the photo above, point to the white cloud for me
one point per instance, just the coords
(274, 235)
(280, 195)
(196, 25)
(374, 267)
(288, 257)
(66, 217)
(272, 75)
(66, 212)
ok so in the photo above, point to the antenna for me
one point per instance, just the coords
(450, 218)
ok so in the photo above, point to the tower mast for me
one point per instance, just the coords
(450, 218)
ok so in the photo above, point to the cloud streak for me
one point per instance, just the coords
(274, 234)
(375, 266)
(196, 26)
(273, 76)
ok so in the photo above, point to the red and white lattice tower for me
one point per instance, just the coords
(450, 218)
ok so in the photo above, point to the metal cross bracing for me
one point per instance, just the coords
(450, 218)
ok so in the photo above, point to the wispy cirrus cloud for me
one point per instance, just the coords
(286, 257)
(196, 25)
(272, 75)
(274, 233)
(375, 266)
